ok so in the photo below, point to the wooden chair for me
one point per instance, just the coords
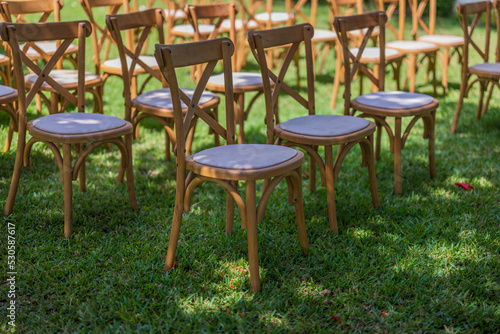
(156, 104)
(44, 50)
(486, 74)
(382, 105)
(371, 55)
(8, 98)
(311, 131)
(451, 45)
(243, 82)
(228, 164)
(5, 68)
(16, 11)
(417, 52)
(174, 14)
(83, 131)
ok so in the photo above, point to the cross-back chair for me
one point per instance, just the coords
(243, 82)
(382, 105)
(450, 45)
(371, 55)
(417, 52)
(311, 131)
(8, 97)
(228, 164)
(174, 14)
(156, 104)
(79, 132)
(16, 11)
(486, 74)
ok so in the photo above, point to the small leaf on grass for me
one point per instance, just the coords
(335, 318)
(326, 292)
(231, 286)
(464, 186)
(384, 314)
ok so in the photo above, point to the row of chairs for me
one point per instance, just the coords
(224, 165)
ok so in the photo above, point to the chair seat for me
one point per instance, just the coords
(412, 46)
(6, 90)
(162, 99)
(49, 47)
(443, 40)
(176, 14)
(77, 123)
(411, 103)
(324, 35)
(276, 17)
(242, 82)
(245, 156)
(66, 78)
(115, 66)
(324, 125)
(372, 54)
(238, 25)
(187, 29)
(489, 70)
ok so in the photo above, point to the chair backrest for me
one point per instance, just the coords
(345, 7)
(187, 110)
(418, 9)
(66, 32)
(100, 35)
(215, 14)
(126, 23)
(364, 21)
(479, 10)
(291, 37)
(390, 7)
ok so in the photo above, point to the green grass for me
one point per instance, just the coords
(426, 261)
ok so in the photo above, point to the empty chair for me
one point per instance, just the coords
(80, 131)
(382, 105)
(486, 74)
(227, 164)
(311, 131)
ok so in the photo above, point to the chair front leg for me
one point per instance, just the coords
(68, 191)
(398, 186)
(330, 189)
(253, 254)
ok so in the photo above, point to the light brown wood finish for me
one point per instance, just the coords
(44, 50)
(225, 165)
(486, 74)
(311, 131)
(393, 58)
(156, 104)
(8, 99)
(449, 45)
(417, 52)
(174, 14)
(80, 131)
(242, 82)
(382, 105)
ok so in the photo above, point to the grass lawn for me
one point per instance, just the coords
(426, 261)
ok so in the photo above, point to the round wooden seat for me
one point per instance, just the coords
(160, 100)
(6, 92)
(324, 125)
(175, 14)
(321, 35)
(443, 40)
(115, 67)
(4, 60)
(486, 70)
(242, 82)
(188, 30)
(66, 78)
(371, 55)
(48, 47)
(401, 103)
(245, 161)
(77, 127)
(412, 46)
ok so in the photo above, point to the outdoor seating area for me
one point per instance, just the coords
(251, 166)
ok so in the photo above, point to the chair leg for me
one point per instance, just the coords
(253, 254)
(167, 146)
(412, 67)
(445, 60)
(81, 173)
(16, 175)
(432, 158)
(330, 189)
(463, 88)
(488, 98)
(372, 175)
(299, 211)
(230, 212)
(484, 87)
(312, 174)
(130, 173)
(239, 109)
(10, 135)
(379, 140)
(174, 232)
(68, 190)
(398, 188)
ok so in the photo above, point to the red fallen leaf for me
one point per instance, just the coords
(232, 287)
(384, 314)
(464, 185)
(335, 318)
(227, 311)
